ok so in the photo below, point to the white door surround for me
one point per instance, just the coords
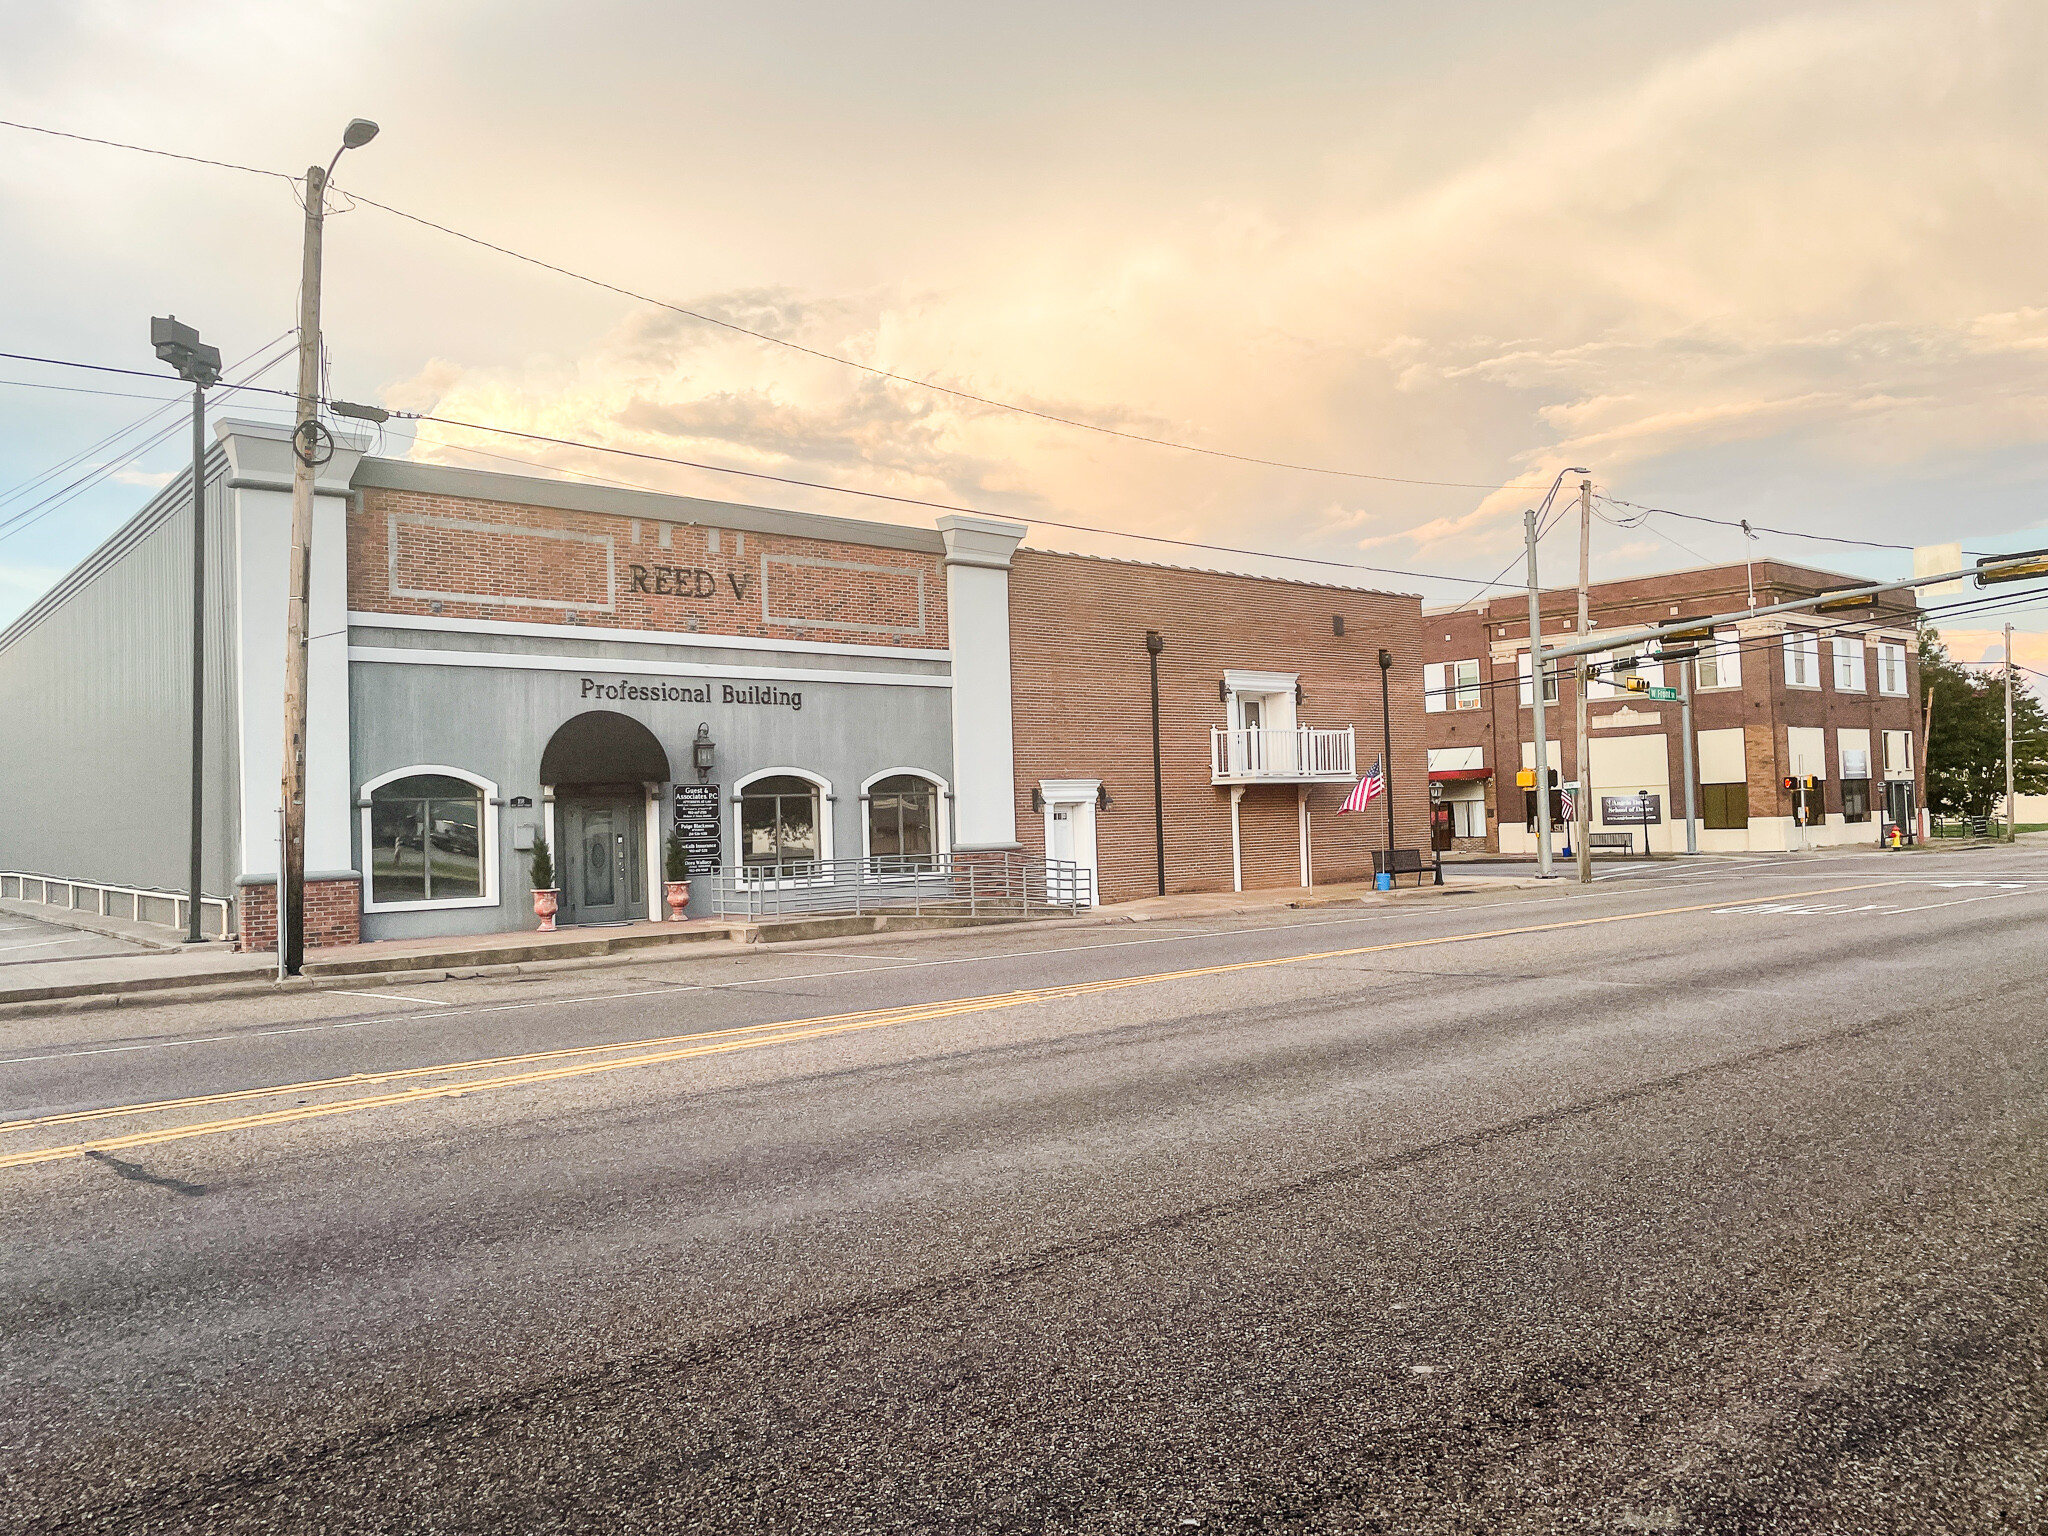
(1070, 826)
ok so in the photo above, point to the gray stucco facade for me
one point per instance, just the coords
(492, 708)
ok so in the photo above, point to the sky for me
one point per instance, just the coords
(1767, 261)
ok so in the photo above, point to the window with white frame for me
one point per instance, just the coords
(1720, 662)
(429, 839)
(905, 825)
(1450, 685)
(1848, 663)
(1891, 669)
(1465, 680)
(784, 828)
(1802, 659)
(1898, 754)
(1550, 694)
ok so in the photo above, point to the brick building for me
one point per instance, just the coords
(495, 659)
(1829, 697)
(1269, 706)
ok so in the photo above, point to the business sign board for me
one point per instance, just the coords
(699, 818)
(1631, 810)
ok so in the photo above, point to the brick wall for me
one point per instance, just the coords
(416, 553)
(1082, 710)
(333, 915)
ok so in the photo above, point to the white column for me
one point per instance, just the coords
(1236, 844)
(260, 480)
(978, 553)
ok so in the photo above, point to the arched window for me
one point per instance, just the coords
(782, 826)
(906, 821)
(429, 836)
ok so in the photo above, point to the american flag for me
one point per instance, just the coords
(1365, 790)
(1568, 803)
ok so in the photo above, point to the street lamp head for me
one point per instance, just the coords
(360, 131)
(180, 346)
(1578, 469)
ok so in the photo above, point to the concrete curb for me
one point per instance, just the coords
(798, 933)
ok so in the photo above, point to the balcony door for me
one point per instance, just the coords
(1251, 721)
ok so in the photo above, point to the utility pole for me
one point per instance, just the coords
(1582, 837)
(180, 346)
(1536, 702)
(2010, 834)
(312, 446)
(1685, 670)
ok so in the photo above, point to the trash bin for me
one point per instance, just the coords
(1383, 881)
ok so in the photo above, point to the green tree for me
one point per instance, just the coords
(1966, 738)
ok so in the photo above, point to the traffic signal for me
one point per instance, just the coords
(1791, 784)
(1636, 684)
(1812, 783)
(1845, 604)
(2025, 567)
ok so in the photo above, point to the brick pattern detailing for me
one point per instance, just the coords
(1763, 707)
(334, 910)
(547, 565)
(1082, 710)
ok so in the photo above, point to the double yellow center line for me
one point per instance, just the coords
(569, 1063)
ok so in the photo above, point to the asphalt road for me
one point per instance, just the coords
(1708, 1200)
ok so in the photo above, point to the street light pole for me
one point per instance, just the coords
(180, 346)
(1542, 751)
(1582, 838)
(312, 446)
(2011, 821)
(1387, 752)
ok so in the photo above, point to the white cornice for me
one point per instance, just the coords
(537, 631)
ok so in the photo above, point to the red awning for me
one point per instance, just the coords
(1458, 775)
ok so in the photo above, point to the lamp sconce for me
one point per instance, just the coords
(1300, 694)
(1336, 623)
(1222, 691)
(1037, 799)
(1102, 800)
(703, 752)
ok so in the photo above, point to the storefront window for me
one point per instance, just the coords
(1855, 800)
(778, 824)
(902, 822)
(425, 840)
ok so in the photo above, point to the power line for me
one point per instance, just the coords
(734, 326)
(26, 517)
(144, 149)
(938, 506)
(1788, 533)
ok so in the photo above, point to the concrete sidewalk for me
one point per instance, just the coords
(192, 972)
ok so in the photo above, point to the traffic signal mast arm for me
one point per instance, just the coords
(2009, 568)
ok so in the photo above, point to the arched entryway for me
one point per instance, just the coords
(604, 771)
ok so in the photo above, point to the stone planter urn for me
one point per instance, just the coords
(678, 893)
(545, 905)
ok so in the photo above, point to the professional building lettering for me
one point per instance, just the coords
(762, 694)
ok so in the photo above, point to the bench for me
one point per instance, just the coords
(1625, 841)
(1397, 862)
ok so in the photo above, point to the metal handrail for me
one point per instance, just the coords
(936, 885)
(144, 903)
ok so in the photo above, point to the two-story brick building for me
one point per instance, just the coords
(1828, 697)
(498, 658)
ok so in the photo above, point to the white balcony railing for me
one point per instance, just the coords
(1300, 756)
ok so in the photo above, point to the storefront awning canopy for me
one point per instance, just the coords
(1458, 775)
(601, 747)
